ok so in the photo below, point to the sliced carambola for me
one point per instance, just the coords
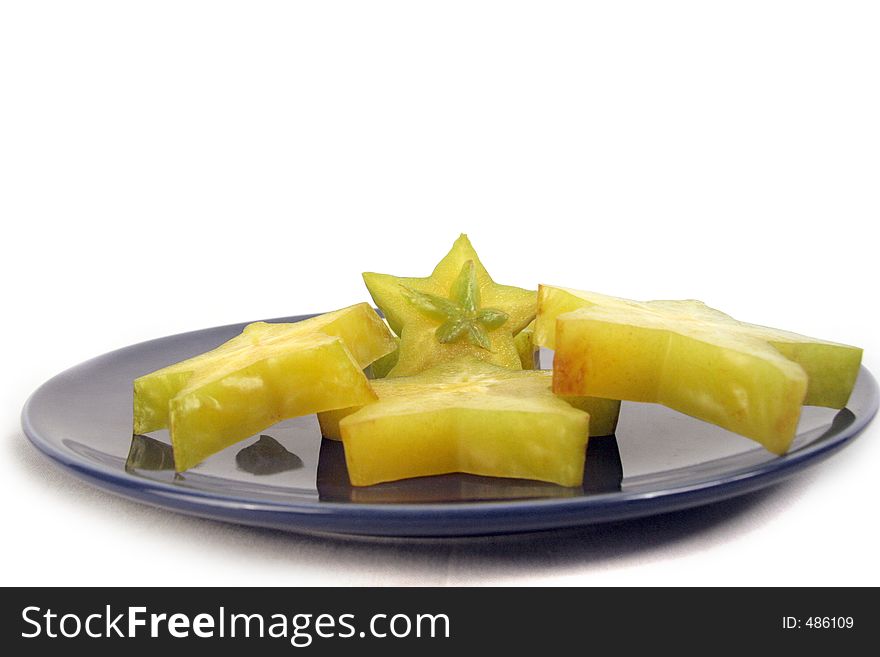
(603, 412)
(363, 332)
(696, 360)
(526, 347)
(329, 420)
(381, 367)
(458, 311)
(267, 373)
(466, 416)
(334, 484)
(554, 301)
(831, 368)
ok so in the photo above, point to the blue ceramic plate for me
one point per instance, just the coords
(289, 478)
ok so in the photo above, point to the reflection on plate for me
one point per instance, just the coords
(148, 453)
(267, 457)
(290, 478)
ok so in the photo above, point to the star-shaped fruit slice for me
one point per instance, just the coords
(268, 373)
(466, 416)
(692, 358)
(604, 413)
(524, 341)
(458, 311)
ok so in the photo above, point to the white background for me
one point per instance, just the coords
(168, 166)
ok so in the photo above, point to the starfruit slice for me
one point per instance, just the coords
(467, 416)
(604, 413)
(267, 373)
(746, 378)
(382, 366)
(458, 311)
(334, 484)
(526, 347)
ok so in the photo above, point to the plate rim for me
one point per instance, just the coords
(347, 518)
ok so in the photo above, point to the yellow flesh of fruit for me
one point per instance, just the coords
(831, 367)
(467, 417)
(419, 345)
(603, 412)
(526, 347)
(267, 373)
(746, 378)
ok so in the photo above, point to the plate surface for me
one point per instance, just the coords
(659, 461)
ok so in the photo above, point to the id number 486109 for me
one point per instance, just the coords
(818, 622)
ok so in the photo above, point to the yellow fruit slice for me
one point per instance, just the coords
(470, 417)
(554, 301)
(831, 367)
(267, 373)
(382, 366)
(334, 484)
(603, 412)
(526, 347)
(683, 354)
(458, 311)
